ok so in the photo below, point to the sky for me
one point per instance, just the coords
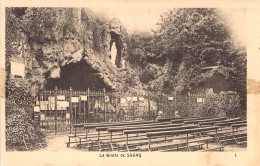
(144, 16)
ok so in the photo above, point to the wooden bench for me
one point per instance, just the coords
(227, 135)
(121, 129)
(88, 126)
(204, 120)
(103, 127)
(178, 132)
(127, 143)
(222, 124)
(186, 119)
(242, 138)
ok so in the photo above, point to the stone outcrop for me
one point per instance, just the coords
(46, 39)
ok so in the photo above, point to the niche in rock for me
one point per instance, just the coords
(79, 76)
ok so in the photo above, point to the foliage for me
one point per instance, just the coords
(20, 126)
(193, 38)
(220, 105)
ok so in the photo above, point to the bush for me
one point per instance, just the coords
(220, 105)
(21, 131)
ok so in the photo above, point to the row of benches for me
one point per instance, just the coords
(149, 135)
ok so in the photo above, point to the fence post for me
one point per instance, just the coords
(149, 105)
(70, 95)
(80, 111)
(104, 90)
(88, 98)
(175, 103)
(55, 109)
(189, 103)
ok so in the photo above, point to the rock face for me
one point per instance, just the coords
(47, 39)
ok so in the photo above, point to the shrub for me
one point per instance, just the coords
(21, 131)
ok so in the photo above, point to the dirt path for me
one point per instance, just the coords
(57, 143)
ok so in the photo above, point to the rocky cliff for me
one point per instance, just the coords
(48, 39)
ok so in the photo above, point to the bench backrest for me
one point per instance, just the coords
(204, 120)
(142, 127)
(229, 123)
(231, 120)
(239, 125)
(89, 126)
(186, 119)
(104, 128)
(186, 131)
(94, 124)
(158, 129)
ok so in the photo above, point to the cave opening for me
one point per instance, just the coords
(78, 76)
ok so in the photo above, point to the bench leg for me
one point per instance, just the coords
(68, 144)
(111, 146)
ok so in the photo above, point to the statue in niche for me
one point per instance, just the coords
(117, 39)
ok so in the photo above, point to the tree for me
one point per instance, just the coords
(193, 38)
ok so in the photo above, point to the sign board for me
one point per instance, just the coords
(36, 109)
(44, 105)
(84, 98)
(62, 105)
(51, 98)
(74, 99)
(200, 100)
(67, 115)
(17, 69)
(42, 117)
(61, 97)
(134, 98)
(123, 101)
(170, 98)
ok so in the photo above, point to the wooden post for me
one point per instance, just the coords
(55, 106)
